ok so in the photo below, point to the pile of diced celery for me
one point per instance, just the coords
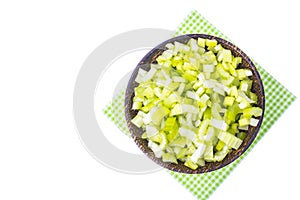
(195, 105)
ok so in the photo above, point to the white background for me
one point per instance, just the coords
(42, 47)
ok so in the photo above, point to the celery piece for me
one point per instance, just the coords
(185, 132)
(253, 122)
(228, 101)
(198, 153)
(170, 123)
(203, 127)
(244, 121)
(241, 135)
(236, 61)
(159, 114)
(230, 140)
(211, 43)
(151, 130)
(155, 148)
(136, 105)
(220, 145)
(220, 155)
(253, 111)
(227, 57)
(190, 164)
(219, 124)
(177, 110)
(201, 42)
(179, 142)
(138, 121)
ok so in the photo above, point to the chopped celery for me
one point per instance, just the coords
(195, 105)
(168, 157)
(253, 122)
(220, 145)
(253, 111)
(230, 140)
(187, 133)
(198, 153)
(228, 101)
(190, 164)
(201, 42)
(211, 43)
(219, 124)
(151, 130)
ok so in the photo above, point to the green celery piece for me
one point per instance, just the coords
(241, 135)
(217, 48)
(148, 92)
(190, 75)
(177, 110)
(178, 142)
(173, 133)
(241, 74)
(236, 61)
(231, 69)
(159, 114)
(244, 86)
(173, 86)
(231, 113)
(136, 105)
(235, 82)
(168, 157)
(150, 105)
(230, 140)
(165, 92)
(220, 145)
(190, 164)
(253, 97)
(207, 115)
(189, 66)
(176, 61)
(201, 42)
(201, 162)
(211, 43)
(234, 127)
(226, 55)
(203, 127)
(187, 100)
(233, 92)
(209, 153)
(203, 99)
(164, 141)
(138, 121)
(156, 138)
(220, 155)
(228, 101)
(221, 71)
(182, 153)
(243, 121)
(139, 92)
(253, 111)
(228, 81)
(201, 50)
(170, 123)
(158, 92)
(171, 99)
(190, 150)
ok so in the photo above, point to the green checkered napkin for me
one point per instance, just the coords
(278, 98)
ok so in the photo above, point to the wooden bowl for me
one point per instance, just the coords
(136, 132)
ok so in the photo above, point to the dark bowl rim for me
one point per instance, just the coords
(179, 38)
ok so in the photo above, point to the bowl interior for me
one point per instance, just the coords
(136, 132)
